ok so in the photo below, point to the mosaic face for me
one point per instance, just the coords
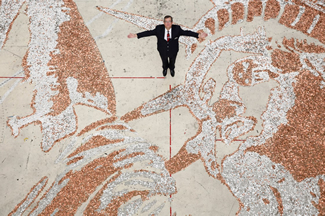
(110, 170)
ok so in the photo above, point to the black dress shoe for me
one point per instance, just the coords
(172, 72)
(165, 72)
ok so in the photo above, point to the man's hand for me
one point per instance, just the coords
(132, 35)
(202, 35)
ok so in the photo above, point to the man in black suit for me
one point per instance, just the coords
(167, 44)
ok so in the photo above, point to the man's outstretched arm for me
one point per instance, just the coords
(143, 34)
(192, 33)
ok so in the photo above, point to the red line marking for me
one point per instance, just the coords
(170, 134)
(137, 77)
(170, 145)
(109, 77)
(11, 77)
(170, 130)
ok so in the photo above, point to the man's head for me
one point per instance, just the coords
(168, 21)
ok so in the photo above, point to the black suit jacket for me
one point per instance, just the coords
(176, 32)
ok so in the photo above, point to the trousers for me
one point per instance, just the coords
(164, 58)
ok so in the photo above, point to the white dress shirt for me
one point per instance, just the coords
(170, 33)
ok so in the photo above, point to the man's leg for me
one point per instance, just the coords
(172, 60)
(164, 60)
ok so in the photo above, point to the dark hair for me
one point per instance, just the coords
(167, 16)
